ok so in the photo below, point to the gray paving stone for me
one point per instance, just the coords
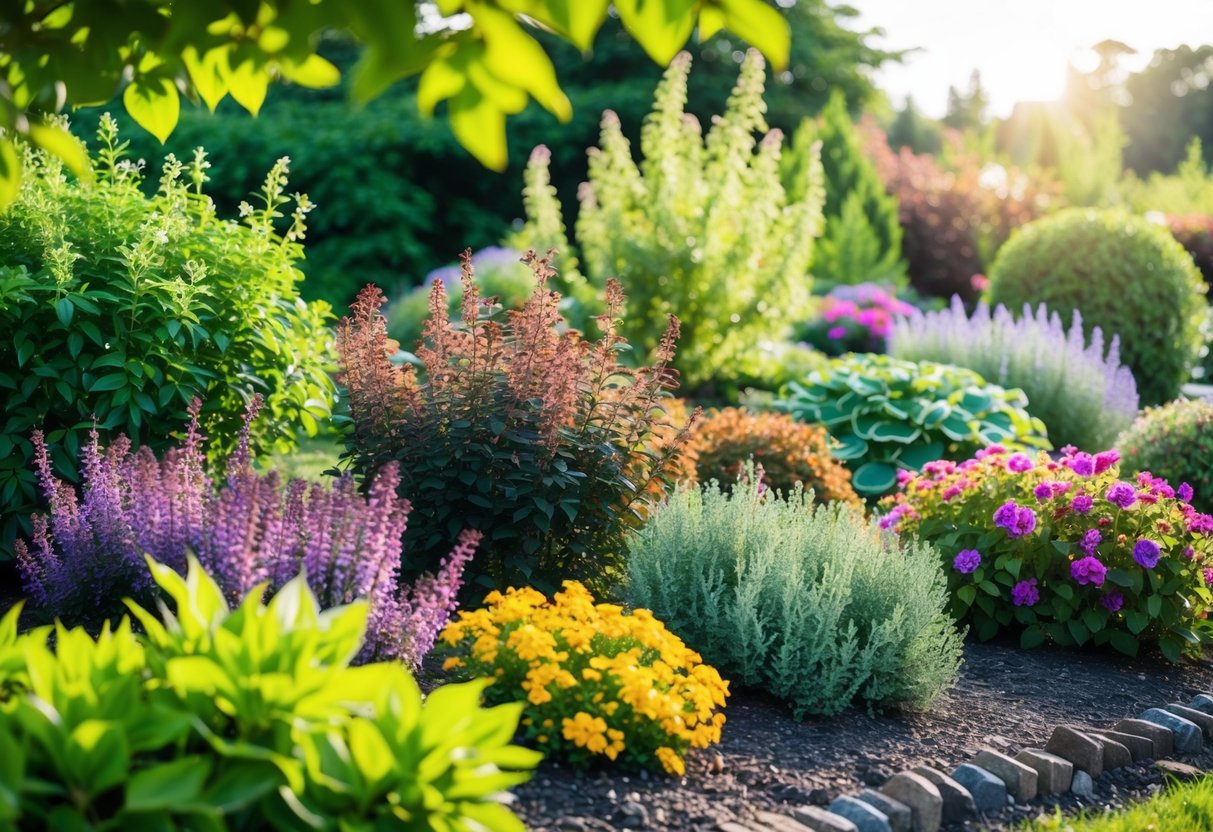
(1077, 747)
(821, 820)
(1115, 755)
(1161, 736)
(1181, 771)
(780, 823)
(989, 792)
(1020, 779)
(1204, 720)
(1140, 747)
(957, 802)
(897, 812)
(920, 794)
(1083, 785)
(1053, 774)
(733, 826)
(1186, 737)
(865, 816)
(1202, 702)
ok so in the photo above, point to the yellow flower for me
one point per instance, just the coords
(670, 761)
(452, 663)
(529, 642)
(583, 729)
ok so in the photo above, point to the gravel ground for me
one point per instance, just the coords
(1005, 698)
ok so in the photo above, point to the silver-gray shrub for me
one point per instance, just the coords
(1081, 392)
(811, 603)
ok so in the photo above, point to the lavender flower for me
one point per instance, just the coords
(966, 561)
(1025, 593)
(1121, 494)
(1081, 463)
(1088, 570)
(1112, 601)
(1017, 520)
(90, 552)
(1146, 552)
(1184, 492)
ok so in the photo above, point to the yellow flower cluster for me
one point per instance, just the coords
(597, 682)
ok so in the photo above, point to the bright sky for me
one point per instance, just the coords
(1020, 46)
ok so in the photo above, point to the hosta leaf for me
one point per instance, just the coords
(874, 478)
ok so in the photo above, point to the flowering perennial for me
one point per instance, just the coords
(597, 683)
(89, 552)
(1064, 549)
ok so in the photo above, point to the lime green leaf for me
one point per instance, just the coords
(208, 73)
(154, 104)
(168, 786)
(661, 27)
(578, 20)
(479, 126)
(441, 80)
(517, 59)
(59, 142)
(98, 755)
(10, 173)
(248, 84)
(314, 72)
(711, 20)
(762, 26)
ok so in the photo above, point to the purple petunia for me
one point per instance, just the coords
(1082, 503)
(1146, 553)
(1025, 593)
(1088, 570)
(1043, 491)
(1081, 463)
(1090, 540)
(836, 332)
(1121, 494)
(1020, 463)
(1112, 601)
(1185, 492)
(1017, 520)
(1208, 576)
(1105, 460)
(967, 561)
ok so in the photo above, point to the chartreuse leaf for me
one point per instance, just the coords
(248, 83)
(479, 125)
(152, 101)
(661, 27)
(578, 20)
(208, 72)
(98, 756)
(59, 142)
(758, 23)
(313, 71)
(517, 59)
(10, 172)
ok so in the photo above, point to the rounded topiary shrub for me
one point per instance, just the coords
(1175, 442)
(1125, 275)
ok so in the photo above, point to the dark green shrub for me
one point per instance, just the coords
(120, 308)
(1174, 441)
(1127, 276)
(890, 415)
(250, 718)
(809, 602)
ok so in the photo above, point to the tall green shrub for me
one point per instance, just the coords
(811, 603)
(702, 226)
(862, 239)
(119, 308)
(1125, 275)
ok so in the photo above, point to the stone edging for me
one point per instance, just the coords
(923, 799)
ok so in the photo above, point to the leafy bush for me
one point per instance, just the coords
(809, 602)
(500, 272)
(855, 319)
(1187, 191)
(119, 308)
(1084, 396)
(534, 437)
(702, 226)
(1174, 441)
(790, 453)
(862, 238)
(953, 219)
(244, 719)
(90, 552)
(593, 681)
(1126, 275)
(1064, 550)
(888, 414)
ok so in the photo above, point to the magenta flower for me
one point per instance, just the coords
(1025, 593)
(1112, 601)
(1105, 460)
(1208, 576)
(1020, 463)
(967, 561)
(1043, 492)
(1088, 570)
(1185, 492)
(1017, 520)
(836, 332)
(1082, 503)
(1090, 540)
(1081, 463)
(1146, 553)
(1121, 494)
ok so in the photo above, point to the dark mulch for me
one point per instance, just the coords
(1006, 698)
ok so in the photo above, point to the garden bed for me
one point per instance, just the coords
(1005, 698)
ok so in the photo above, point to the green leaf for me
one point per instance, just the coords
(1154, 606)
(517, 59)
(64, 310)
(874, 478)
(920, 454)
(661, 27)
(248, 84)
(61, 143)
(479, 125)
(313, 72)
(113, 381)
(167, 786)
(10, 173)
(1136, 621)
(966, 594)
(97, 754)
(208, 73)
(761, 25)
(1171, 647)
(153, 103)
(894, 432)
(1124, 642)
(1031, 637)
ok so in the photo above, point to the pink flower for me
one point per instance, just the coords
(836, 332)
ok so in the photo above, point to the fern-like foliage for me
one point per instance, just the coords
(808, 602)
(701, 225)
